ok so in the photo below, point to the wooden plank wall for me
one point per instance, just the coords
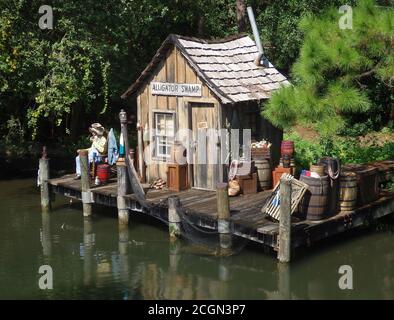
(264, 129)
(176, 69)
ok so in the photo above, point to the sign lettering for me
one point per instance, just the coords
(176, 89)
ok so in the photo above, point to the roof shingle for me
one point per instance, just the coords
(226, 66)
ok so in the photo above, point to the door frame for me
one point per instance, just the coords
(217, 125)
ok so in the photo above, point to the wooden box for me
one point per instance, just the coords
(177, 177)
(277, 173)
(247, 183)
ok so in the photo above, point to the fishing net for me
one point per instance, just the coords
(206, 238)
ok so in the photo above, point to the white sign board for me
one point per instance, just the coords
(176, 89)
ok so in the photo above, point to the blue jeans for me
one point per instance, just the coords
(92, 153)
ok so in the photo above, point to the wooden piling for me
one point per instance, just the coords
(46, 234)
(174, 220)
(85, 183)
(44, 185)
(123, 239)
(123, 212)
(284, 238)
(284, 281)
(223, 209)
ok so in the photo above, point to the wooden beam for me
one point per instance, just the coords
(85, 183)
(285, 220)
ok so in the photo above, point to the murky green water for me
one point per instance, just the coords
(94, 260)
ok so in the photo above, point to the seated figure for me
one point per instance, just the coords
(98, 149)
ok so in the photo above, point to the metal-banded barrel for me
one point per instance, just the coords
(314, 203)
(264, 174)
(348, 191)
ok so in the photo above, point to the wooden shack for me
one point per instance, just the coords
(197, 84)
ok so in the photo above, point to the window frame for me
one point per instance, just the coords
(168, 140)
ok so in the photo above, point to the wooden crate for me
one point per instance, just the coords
(277, 173)
(247, 183)
(177, 177)
(272, 204)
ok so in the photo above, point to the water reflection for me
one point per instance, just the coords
(87, 252)
(98, 259)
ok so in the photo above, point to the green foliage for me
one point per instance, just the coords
(348, 150)
(340, 74)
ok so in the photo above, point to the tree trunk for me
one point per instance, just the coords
(75, 121)
(201, 26)
(241, 16)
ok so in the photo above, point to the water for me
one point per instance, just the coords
(97, 260)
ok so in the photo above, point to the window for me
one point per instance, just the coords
(164, 133)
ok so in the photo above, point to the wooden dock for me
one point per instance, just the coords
(247, 221)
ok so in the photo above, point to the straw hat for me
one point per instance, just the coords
(97, 128)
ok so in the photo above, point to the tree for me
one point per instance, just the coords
(341, 74)
(241, 16)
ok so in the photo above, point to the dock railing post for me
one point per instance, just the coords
(223, 208)
(85, 183)
(284, 250)
(123, 212)
(43, 178)
(174, 220)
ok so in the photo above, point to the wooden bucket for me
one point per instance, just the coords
(314, 203)
(103, 172)
(264, 174)
(319, 169)
(348, 191)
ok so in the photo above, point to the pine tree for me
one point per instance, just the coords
(340, 73)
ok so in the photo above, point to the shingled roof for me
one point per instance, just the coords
(226, 66)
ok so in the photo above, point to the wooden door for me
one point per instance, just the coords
(203, 125)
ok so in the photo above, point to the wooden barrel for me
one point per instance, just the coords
(348, 191)
(319, 169)
(103, 172)
(287, 147)
(313, 205)
(264, 174)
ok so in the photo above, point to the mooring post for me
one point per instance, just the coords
(223, 208)
(46, 234)
(85, 183)
(174, 220)
(284, 242)
(284, 280)
(123, 212)
(43, 178)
